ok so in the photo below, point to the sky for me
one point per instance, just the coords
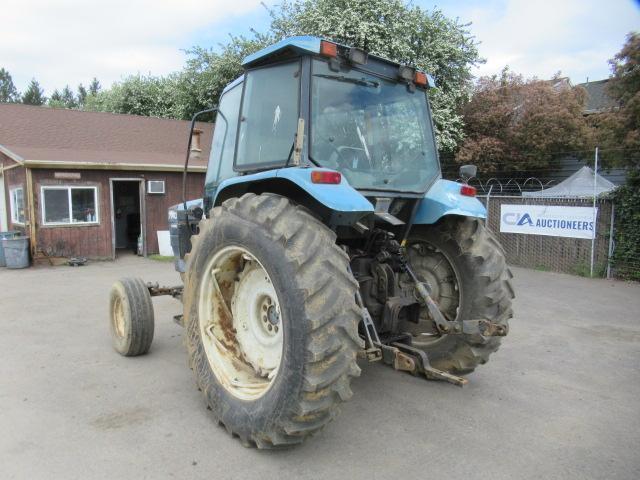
(63, 42)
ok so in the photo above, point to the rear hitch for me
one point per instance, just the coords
(401, 356)
(413, 360)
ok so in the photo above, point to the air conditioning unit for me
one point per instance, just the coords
(155, 186)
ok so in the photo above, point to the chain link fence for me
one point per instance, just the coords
(507, 183)
(558, 254)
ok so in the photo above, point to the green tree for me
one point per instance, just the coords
(140, 95)
(207, 72)
(514, 124)
(94, 86)
(55, 100)
(401, 32)
(82, 95)
(8, 91)
(619, 130)
(68, 98)
(34, 95)
(390, 28)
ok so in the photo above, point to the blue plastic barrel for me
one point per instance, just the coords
(10, 234)
(16, 252)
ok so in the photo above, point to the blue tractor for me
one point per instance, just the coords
(326, 234)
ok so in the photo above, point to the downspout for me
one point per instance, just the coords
(32, 213)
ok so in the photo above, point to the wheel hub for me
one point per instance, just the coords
(434, 268)
(253, 307)
(273, 316)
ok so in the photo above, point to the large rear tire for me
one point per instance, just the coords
(271, 320)
(464, 265)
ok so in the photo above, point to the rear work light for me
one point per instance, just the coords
(420, 79)
(357, 56)
(322, 176)
(328, 49)
(468, 191)
(406, 73)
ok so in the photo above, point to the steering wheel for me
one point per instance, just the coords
(342, 163)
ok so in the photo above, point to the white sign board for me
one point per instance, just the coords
(555, 221)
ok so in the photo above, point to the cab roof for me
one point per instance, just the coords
(301, 45)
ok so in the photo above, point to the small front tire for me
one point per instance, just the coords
(131, 317)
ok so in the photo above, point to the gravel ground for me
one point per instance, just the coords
(561, 399)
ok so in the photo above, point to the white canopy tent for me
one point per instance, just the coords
(578, 185)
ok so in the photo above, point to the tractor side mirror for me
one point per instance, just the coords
(196, 212)
(468, 171)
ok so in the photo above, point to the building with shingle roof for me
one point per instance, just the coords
(598, 100)
(94, 183)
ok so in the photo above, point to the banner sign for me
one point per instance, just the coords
(554, 221)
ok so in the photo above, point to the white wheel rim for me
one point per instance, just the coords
(240, 323)
(117, 317)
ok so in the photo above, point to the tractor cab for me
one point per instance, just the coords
(307, 102)
(341, 132)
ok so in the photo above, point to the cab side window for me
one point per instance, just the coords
(224, 137)
(269, 118)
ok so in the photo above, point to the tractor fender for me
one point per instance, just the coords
(337, 204)
(444, 198)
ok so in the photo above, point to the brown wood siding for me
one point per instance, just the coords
(16, 177)
(158, 205)
(95, 241)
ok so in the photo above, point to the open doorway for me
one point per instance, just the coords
(127, 216)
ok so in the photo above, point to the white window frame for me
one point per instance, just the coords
(155, 193)
(69, 189)
(15, 214)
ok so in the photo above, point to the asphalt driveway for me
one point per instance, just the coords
(561, 399)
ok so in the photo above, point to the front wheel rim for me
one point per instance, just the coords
(240, 323)
(117, 317)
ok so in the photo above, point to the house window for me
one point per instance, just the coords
(69, 205)
(16, 197)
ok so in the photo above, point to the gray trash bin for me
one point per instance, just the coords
(16, 252)
(10, 234)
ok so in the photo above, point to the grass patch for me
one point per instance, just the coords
(161, 258)
(584, 270)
